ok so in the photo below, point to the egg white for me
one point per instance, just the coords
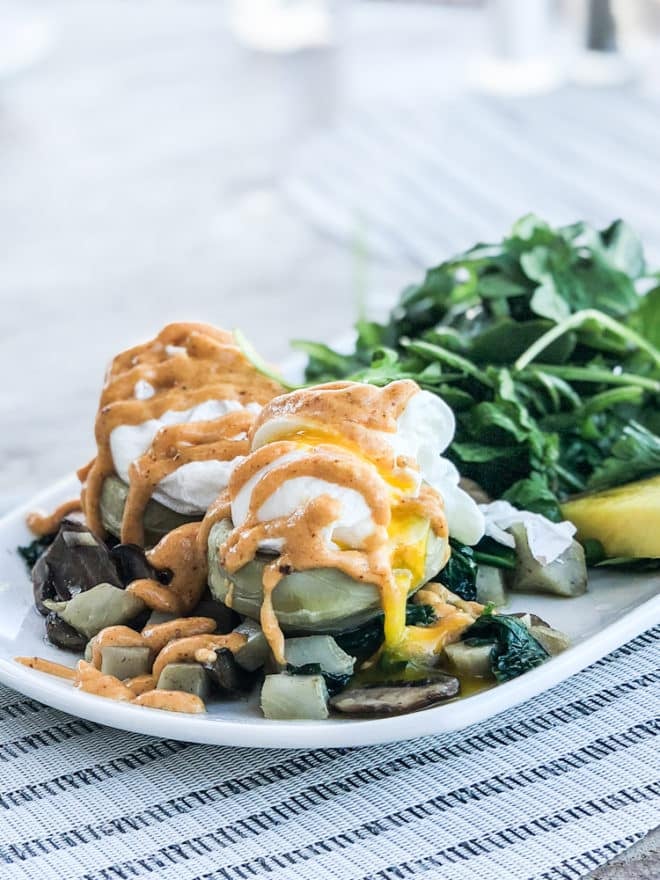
(193, 487)
(424, 430)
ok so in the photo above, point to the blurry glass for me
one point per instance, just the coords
(283, 25)
(618, 40)
(522, 58)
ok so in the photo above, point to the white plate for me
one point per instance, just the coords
(616, 608)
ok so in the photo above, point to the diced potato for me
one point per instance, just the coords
(565, 576)
(490, 586)
(256, 650)
(626, 519)
(293, 697)
(552, 640)
(92, 610)
(125, 662)
(188, 677)
(469, 659)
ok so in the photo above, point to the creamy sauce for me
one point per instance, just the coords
(158, 635)
(47, 666)
(183, 650)
(92, 681)
(41, 524)
(171, 701)
(140, 684)
(344, 445)
(114, 637)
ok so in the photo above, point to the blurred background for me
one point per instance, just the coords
(281, 164)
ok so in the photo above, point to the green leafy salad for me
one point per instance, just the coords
(545, 345)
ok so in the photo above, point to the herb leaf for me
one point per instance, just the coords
(515, 650)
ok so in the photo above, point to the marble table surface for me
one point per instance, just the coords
(140, 163)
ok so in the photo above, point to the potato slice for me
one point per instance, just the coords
(191, 678)
(125, 662)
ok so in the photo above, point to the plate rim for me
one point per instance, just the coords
(342, 733)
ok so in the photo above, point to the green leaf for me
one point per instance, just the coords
(635, 454)
(324, 363)
(505, 339)
(498, 286)
(622, 249)
(646, 318)
(479, 452)
(515, 650)
(491, 552)
(32, 551)
(460, 574)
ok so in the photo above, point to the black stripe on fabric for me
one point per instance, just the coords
(459, 852)
(574, 868)
(499, 840)
(48, 737)
(19, 709)
(153, 751)
(637, 644)
(316, 795)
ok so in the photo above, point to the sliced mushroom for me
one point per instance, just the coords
(132, 565)
(397, 697)
(226, 619)
(76, 561)
(529, 619)
(62, 635)
(226, 674)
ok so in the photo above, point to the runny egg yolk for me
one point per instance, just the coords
(399, 481)
(408, 535)
(408, 532)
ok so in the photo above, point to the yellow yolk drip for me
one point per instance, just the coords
(408, 534)
(399, 480)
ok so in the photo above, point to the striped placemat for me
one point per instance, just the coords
(549, 790)
(414, 184)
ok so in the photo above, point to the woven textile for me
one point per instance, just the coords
(549, 790)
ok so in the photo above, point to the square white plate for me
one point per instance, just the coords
(617, 607)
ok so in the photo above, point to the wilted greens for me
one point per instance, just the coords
(514, 651)
(544, 345)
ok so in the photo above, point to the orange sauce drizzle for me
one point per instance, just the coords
(47, 666)
(41, 524)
